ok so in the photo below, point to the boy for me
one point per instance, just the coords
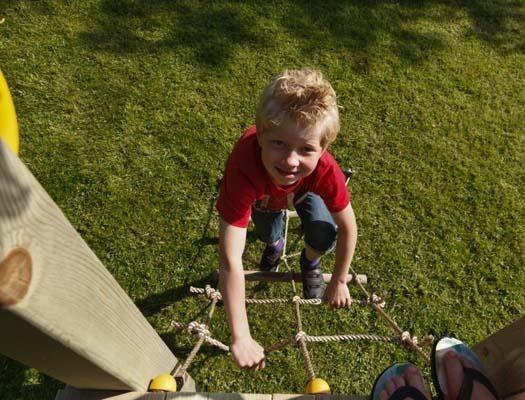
(283, 161)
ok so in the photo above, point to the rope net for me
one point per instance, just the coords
(301, 338)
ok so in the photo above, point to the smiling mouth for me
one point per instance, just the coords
(287, 174)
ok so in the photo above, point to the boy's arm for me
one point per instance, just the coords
(336, 293)
(246, 352)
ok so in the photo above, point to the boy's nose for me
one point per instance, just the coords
(292, 159)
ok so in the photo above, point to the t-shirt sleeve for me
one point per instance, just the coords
(236, 196)
(331, 186)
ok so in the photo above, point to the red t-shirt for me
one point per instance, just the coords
(246, 182)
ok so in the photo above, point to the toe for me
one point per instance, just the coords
(454, 374)
(415, 379)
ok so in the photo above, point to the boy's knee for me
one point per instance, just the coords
(268, 226)
(320, 236)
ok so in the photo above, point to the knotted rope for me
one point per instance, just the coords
(201, 330)
(300, 339)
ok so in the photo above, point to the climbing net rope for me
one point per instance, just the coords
(301, 338)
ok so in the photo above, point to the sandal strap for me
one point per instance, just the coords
(405, 392)
(467, 386)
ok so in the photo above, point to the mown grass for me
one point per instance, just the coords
(128, 110)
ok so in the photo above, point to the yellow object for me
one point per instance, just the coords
(8, 124)
(317, 386)
(163, 383)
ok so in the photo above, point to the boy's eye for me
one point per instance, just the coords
(307, 150)
(277, 142)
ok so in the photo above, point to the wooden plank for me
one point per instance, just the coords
(239, 396)
(73, 394)
(340, 397)
(260, 276)
(70, 393)
(292, 396)
(503, 355)
(187, 396)
(61, 311)
(295, 276)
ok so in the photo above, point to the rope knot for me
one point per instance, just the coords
(201, 330)
(301, 335)
(212, 293)
(375, 299)
(296, 299)
(405, 336)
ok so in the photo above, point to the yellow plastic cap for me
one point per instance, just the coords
(317, 386)
(163, 383)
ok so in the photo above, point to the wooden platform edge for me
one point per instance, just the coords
(70, 393)
(503, 355)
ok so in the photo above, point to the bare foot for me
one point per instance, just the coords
(411, 377)
(453, 366)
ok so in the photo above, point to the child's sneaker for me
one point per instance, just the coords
(271, 256)
(313, 282)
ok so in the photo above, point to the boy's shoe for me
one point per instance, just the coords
(271, 256)
(313, 282)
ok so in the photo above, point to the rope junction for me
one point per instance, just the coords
(301, 338)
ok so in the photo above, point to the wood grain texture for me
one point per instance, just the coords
(15, 276)
(293, 396)
(73, 394)
(238, 396)
(296, 276)
(187, 396)
(340, 397)
(503, 355)
(260, 276)
(70, 393)
(74, 323)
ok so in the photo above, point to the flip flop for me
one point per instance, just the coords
(401, 393)
(471, 375)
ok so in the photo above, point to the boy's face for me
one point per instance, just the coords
(289, 153)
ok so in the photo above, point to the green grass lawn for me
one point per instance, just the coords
(129, 108)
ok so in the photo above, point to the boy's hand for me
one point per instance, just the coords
(336, 295)
(247, 353)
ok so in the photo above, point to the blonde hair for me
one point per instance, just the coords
(303, 97)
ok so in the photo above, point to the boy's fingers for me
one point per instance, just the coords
(259, 365)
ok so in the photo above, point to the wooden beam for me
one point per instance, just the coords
(70, 393)
(296, 276)
(503, 355)
(61, 311)
(73, 394)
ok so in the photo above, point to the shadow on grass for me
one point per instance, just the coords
(15, 373)
(154, 303)
(206, 352)
(210, 32)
